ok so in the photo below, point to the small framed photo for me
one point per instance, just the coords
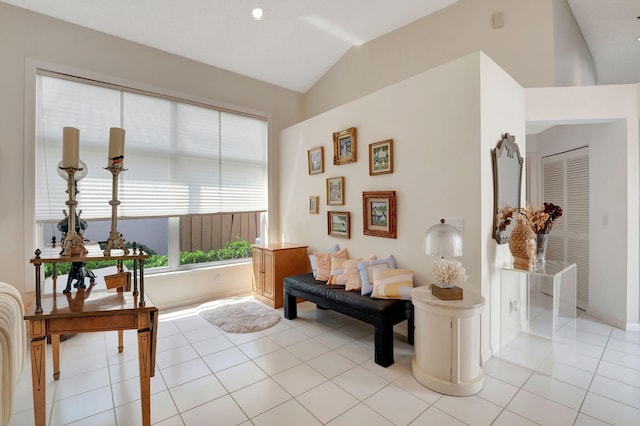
(314, 200)
(339, 224)
(316, 160)
(335, 191)
(381, 157)
(379, 209)
(345, 146)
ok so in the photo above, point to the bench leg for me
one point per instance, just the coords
(290, 307)
(384, 346)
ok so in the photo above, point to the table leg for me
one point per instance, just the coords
(120, 341)
(38, 346)
(55, 352)
(145, 358)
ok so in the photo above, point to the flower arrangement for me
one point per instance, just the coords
(505, 215)
(541, 220)
(449, 271)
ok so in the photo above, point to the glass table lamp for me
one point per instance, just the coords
(444, 241)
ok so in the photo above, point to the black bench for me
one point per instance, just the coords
(383, 314)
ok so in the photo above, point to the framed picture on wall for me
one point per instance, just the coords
(339, 224)
(345, 146)
(381, 157)
(335, 191)
(379, 210)
(314, 200)
(315, 159)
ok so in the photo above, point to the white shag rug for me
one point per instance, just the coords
(239, 314)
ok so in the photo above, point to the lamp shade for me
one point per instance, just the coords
(443, 240)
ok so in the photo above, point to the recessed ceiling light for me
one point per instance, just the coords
(257, 13)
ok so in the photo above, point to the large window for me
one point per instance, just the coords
(181, 158)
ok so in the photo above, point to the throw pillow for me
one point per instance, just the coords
(337, 269)
(312, 259)
(365, 270)
(323, 261)
(350, 275)
(392, 284)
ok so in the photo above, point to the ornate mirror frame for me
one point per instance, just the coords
(507, 184)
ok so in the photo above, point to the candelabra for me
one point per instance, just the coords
(115, 240)
(72, 244)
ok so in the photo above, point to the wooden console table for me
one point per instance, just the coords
(90, 310)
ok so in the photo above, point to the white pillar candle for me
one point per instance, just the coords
(70, 147)
(116, 146)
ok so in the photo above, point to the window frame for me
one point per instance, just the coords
(33, 230)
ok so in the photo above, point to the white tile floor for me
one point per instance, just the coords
(319, 369)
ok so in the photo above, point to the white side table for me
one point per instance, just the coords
(447, 342)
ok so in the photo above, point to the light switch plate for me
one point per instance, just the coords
(458, 222)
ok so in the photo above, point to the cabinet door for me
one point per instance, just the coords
(258, 271)
(268, 275)
(434, 341)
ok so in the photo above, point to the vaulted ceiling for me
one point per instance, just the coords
(297, 41)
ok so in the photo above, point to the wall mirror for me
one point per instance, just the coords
(507, 181)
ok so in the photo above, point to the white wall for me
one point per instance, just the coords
(443, 129)
(28, 39)
(614, 289)
(574, 64)
(184, 288)
(502, 106)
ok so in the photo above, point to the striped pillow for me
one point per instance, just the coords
(337, 271)
(392, 284)
(312, 259)
(323, 261)
(365, 270)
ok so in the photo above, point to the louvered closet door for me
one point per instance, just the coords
(565, 182)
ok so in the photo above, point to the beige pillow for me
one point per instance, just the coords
(323, 262)
(350, 274)
(392, 284)
(337, 269)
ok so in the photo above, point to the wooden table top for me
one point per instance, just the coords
(82, 302)
(51, 254)
(86, 302)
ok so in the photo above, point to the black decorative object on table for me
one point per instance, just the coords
(78, 273)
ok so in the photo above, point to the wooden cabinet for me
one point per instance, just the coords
(273, 262)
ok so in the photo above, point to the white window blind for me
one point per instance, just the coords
(180, 158)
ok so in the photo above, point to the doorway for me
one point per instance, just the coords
(565, 182)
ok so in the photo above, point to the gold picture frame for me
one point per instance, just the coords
(379, 211)
(339, 224)
(345, 146)
(381, 157)
(315, 160)
(335, 191)
(314, 202)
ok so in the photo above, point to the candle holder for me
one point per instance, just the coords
(115, 240)
(73, 241)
